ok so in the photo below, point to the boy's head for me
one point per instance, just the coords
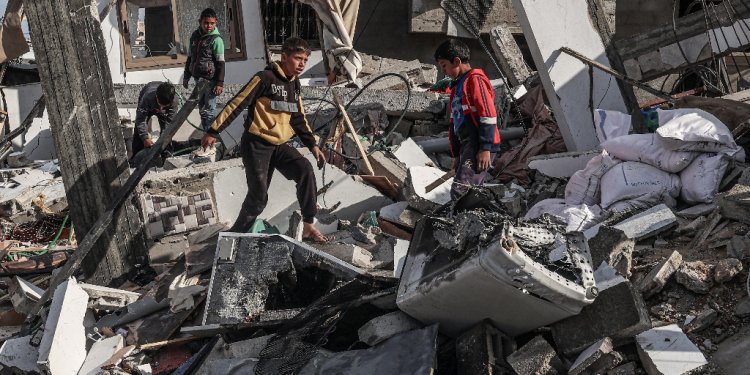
(453, 57)
(208, 20)
(294, 54)
(165, 94)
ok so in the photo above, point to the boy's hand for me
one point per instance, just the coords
(185, 83)
(319, 157)
(207, 141)
(148, 143)
(218, 90)
(483, 160)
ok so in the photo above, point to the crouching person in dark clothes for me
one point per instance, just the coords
(474, 137)
(156, 99)
(275, 115)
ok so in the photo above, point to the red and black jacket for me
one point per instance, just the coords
(480, 115)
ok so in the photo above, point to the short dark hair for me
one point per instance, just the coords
(208, 13)
(452, 48)
(294, 44)
(165, 93)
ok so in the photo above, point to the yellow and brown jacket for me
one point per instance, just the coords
(276, 113)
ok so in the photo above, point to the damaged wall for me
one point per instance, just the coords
(385, 24)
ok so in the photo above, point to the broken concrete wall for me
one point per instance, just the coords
(427, 16)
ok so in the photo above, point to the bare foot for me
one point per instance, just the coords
(309, 232)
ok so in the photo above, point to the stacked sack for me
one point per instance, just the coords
(686, 158)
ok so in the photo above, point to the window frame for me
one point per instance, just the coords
(236, 20)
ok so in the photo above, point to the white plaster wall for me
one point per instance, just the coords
(549, 25)
(237, 71)
(21, 100)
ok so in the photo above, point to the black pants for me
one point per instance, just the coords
(260, 159)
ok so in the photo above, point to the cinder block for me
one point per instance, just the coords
(618, 312)
(536, 357)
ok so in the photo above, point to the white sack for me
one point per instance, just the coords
(611, 124)
(648, 149)
(701, 179)
(697, 130)
(583, 186)
(578, 218)
(632, 179)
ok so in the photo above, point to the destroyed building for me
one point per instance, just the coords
(611, 236)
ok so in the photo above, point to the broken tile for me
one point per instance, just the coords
(536, 357)
(667, 350)
(385, 326)
(63, 346)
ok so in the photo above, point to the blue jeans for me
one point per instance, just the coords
(207, 106)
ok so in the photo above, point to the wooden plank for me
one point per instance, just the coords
(339, 103)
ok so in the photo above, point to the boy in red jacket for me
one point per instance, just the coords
(474, 137)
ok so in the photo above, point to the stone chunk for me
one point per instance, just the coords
(667, 350)
(742, 309)
(536, 357)
(597, 358)
(386, 326)
(648, 223)
(618, 312)
(483, 349)
(349, 253)
(727, 269)
(624, 369)
(695, 276)
(63, 346)
(611, 245)
(704, 320)
(659, 275)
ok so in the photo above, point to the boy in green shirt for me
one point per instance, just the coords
(206, 61)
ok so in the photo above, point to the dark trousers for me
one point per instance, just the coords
(466, 174)
(260, 159)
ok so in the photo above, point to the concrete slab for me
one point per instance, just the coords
(386, 326)
(668, 351)
(562, 165)
(412, 155)
(100, 353)
(648, 223)
(349, 253)
(591, 356)
(20, 354)
(63, 346)
(548, 26)
(392, 212)
(415, 187)
(697, 211)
